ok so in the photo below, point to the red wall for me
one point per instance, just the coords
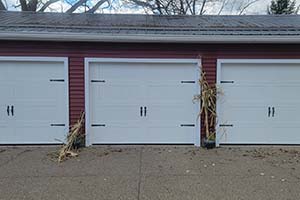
(76, 52)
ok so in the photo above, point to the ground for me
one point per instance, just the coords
(151, 172)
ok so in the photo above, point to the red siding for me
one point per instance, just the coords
(76, 87)
(76, 51)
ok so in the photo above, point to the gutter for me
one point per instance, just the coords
(147, 38)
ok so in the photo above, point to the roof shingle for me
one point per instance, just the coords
(148, 25)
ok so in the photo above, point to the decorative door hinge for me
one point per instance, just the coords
(227, 81)
(98, 125)
(188, 81)
(57, 124)
(187, 125)
(57, 80)
(98, 81)
(226, 125)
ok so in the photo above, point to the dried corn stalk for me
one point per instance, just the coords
(74, 138)
(207, 100)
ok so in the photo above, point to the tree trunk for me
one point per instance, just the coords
(23, 5)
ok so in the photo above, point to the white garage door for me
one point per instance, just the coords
(143, 102)
(33, 101)
(260, 102)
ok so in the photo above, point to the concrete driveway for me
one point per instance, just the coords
(151, 172)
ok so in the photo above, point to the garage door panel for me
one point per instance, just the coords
(117, 133)
(116, 71)
(157, 88)
(260, 71)
(173, 134)
(40, 134)
(118, 91)
(243, 134)
(263, 135)
(243, 112)
(120, 113)
(6, 99)
(260, 101)
(39, 102)
(246, 93)
(38, 97)
(170, 71)
(169, 98)
(36, 110)
(285, 93)
(168, 92)
(43, 89)
(176, 113)
(26, 70)
(286, 113)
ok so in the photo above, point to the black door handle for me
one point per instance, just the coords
(12, 110)
(141, 111)
(7, 110)
(269, 111)
(145, 111)
(273, 111)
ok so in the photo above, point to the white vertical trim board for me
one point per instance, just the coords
(63, 60)
(66, 65)
(197, 105)
(87, 101)
(220, 62)
(87, 62)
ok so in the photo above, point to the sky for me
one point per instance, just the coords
(259, 7)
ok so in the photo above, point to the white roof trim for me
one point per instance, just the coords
(34, 36)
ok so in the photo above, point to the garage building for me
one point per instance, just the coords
(135, 77)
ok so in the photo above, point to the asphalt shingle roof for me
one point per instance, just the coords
(149, 25)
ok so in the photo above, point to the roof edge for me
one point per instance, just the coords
(139, 38)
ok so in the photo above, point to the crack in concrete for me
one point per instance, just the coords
(140, 174)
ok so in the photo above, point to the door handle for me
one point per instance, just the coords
(12, 110)
(141, 111)
(145, 111)
(273, 111)
(7, 110)
(269, 111)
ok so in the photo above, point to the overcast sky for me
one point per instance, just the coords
(259, 7)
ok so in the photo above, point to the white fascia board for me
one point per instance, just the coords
(37, 36)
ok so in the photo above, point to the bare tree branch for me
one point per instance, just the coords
(2, 6)
(224, 3)
(96, 6)
(188, 7)
(194, 7)
(76, 5)
(32, 5)
(202, 7)
(47, 4)
(246, 6)
(142, 4)
(23, 5)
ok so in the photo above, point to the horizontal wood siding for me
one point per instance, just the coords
(77, 51)
(76, 87)
(209, 63)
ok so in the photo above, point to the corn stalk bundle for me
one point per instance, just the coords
(207, 100)
(74, 137)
